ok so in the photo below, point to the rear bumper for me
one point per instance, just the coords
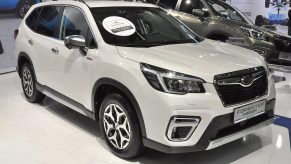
(220, 131)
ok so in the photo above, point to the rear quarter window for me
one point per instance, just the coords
(48, 21)
(31, 20)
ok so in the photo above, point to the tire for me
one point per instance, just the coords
(23, 7)
(259, 21)
(113, 130)
(267, 3)
(29, 84)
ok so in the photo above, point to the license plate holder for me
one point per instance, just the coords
(249, 111)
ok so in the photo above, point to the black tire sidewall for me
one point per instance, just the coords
(135, 146)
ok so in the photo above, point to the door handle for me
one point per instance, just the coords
(30, 41)
(55, 50)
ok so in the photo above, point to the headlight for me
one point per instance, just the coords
(171, 82)
(253, 33)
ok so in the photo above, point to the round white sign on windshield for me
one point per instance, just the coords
(119, 26)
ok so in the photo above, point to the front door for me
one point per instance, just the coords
(74, 65)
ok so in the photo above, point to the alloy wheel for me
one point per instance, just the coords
(116, 126)
(27, 82)
(23, 10)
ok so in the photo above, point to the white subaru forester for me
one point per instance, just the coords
(140, 72)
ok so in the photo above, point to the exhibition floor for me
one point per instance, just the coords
(52, 133)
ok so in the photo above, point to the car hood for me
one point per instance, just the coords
(275, 33)
(204, 60)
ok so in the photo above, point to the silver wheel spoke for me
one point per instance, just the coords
(113, 140)
(107, 126)
(109, 113)
(123, 140)
(125, 126)
(119, 114)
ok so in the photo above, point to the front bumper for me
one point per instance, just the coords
(220, 131)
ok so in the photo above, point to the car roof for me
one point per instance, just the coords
(100, 3)
(92, 3)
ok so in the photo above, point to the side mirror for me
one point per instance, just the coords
(75, 41)
(200, 13)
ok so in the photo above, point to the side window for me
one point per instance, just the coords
(75, 23)
(49, 21)
(188, 6)
(168, 4)
(31, 20)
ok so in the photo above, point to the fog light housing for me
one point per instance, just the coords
(181, 128)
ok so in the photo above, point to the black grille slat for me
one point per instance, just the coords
(232, 94)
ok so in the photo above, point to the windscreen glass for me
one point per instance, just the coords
(140, 27)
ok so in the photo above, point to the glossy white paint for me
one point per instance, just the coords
(73, 75)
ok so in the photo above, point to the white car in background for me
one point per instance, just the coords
(147, 78)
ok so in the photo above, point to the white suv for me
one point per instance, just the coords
(147, 78)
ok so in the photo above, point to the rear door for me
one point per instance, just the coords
(43, 41)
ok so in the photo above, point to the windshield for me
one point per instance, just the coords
(224, 10)
(140, 27)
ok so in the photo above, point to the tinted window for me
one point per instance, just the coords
(49, 20)
(75, 23)
(188, 6)
(31, 21)
(170, 4)
(153, 27)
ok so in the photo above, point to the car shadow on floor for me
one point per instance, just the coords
(225, 154)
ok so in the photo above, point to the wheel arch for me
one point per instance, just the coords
(22, 59)
(100, 91)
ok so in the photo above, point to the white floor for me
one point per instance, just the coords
(50, 133)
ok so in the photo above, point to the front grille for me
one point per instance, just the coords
(241, 86)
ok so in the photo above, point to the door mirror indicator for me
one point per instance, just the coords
(75, 41)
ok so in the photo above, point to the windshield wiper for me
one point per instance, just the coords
(146, 45)
(179, 41)
(154, 44)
